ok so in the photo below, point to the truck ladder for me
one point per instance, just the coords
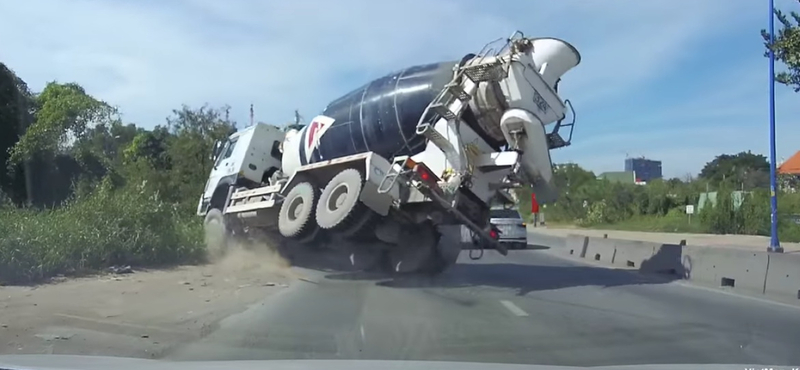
(452, 101)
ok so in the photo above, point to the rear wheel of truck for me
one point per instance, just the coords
(445, 255)
(295, 218)
(338, 204)
(415, 252)
(217, 235)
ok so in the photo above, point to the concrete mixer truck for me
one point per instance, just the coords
(392, 165)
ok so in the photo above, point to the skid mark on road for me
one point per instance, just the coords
(118, 324)
(513, 308)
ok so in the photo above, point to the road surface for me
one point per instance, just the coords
(529, 307)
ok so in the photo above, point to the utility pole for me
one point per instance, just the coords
(252, 115)
(774, 242)
(297, 117)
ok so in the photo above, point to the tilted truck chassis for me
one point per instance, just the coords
(400, 205)
(375, 211)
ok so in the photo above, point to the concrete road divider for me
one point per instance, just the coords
(576, 245)
(631, 253)
(739, 269)
(783, 275)
(600, 249)
(596, 249)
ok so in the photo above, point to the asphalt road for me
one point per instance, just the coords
(530, 307)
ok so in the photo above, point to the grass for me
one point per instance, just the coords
(673, 222)
(109, 227)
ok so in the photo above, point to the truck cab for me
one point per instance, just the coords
(247, 158)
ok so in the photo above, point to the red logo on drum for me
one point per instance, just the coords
(315, 131)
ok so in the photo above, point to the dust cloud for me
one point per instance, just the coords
(252, 256)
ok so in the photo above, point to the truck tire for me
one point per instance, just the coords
(445, 255)
(339, 203)
(297, 210)
(217, 235)
(415, 253)
(360, 228)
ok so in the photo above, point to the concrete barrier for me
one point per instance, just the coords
(734, 268)
(783, 276)
(600, 249)
(631, 253)
(576, 245)
(756, 272)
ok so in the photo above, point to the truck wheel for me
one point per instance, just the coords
(445, 255)
(339, 200)
(360, 228)
(294, 217)
(217, 235)
(415, 253)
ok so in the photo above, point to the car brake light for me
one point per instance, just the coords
(493, 234)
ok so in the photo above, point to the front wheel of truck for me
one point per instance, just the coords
(217, 234)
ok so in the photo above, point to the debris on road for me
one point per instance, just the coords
(52, 337)
(121, 269)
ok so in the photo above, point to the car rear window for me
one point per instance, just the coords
(504, 213)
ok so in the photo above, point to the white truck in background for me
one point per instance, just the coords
(390, 167)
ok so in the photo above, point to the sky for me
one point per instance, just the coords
(674, 80)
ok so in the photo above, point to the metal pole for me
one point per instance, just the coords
(774, 243)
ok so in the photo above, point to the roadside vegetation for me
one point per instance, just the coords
(739, 182)
(81, 189)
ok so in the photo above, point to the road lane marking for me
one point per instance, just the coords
(513, 308)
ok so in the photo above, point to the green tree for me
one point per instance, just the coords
(570, 176)
(16, 108)
(195, 131)
(786, 48)
(743, 170)
(64, 114)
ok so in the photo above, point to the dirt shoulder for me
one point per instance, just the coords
(139, 314)
(748, 242)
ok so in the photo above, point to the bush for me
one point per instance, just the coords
(104, 228)
(660, 206)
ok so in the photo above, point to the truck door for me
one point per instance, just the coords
(224, 169)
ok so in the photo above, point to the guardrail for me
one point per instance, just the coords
(757, 272)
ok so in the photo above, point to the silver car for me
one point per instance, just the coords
(512, 227)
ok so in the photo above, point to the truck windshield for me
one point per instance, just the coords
(227, 150)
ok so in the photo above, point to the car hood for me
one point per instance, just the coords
(69, 362)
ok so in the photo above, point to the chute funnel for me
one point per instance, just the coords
(553, 58)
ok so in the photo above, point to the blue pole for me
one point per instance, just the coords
(774, 243)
